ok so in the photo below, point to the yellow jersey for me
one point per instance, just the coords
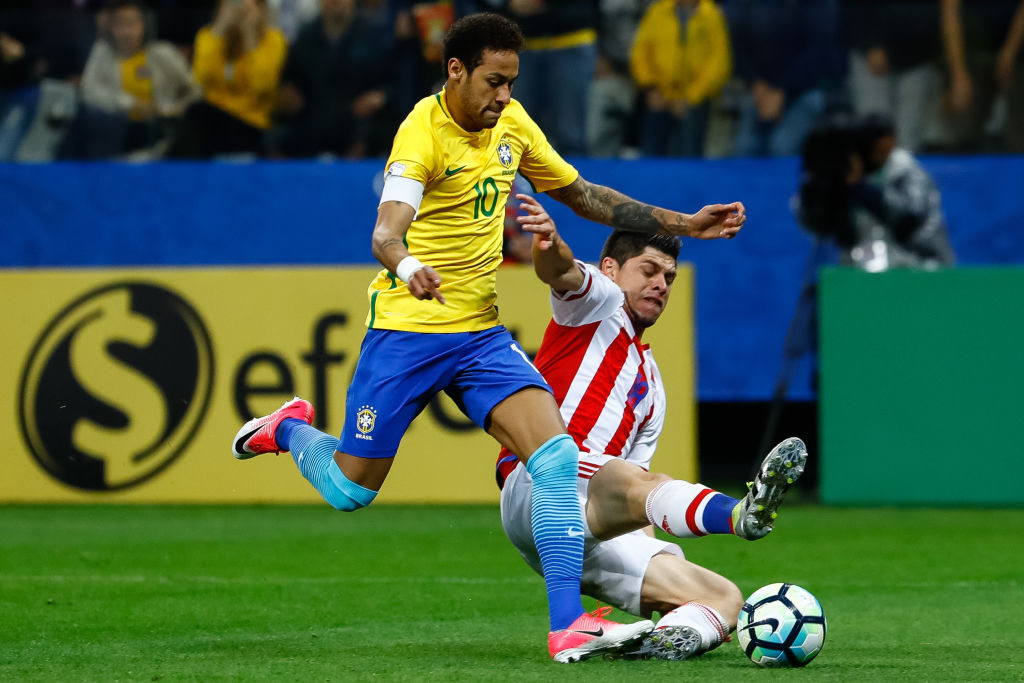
(136, 80)
(692, 61)
(467, 179)
(247, 87)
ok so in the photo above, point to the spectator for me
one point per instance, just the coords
(178, 22)
(292, 15)
(237, 61)
(611, 129)
(337, 93)
(419, 28)
(892, 63)
(21, 66)
(556, 66)
(787, 52)
(42, 51)
(680, 60)
(131, 90)
(986, 96)
(66, 30)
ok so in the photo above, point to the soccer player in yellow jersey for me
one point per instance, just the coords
(433, 324)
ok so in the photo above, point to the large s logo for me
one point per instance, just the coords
(116, 386)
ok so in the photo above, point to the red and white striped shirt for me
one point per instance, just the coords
(605, 380)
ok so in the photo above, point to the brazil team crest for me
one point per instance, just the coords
(366, 418)
(505, 153)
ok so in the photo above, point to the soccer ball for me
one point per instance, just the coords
(781, 625)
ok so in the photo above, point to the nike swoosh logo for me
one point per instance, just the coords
(240, 443)
(453, 171)
(774, 623)
(574, 532)
(598, 633)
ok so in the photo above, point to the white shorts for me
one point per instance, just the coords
(613, 570)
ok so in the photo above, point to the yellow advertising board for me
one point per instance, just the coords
(127, 385)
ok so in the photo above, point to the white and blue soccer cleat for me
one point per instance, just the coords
(754, 516)
(672, 643)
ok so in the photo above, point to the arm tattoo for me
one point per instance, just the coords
(378, 248)
(631, 215)
(607, 206)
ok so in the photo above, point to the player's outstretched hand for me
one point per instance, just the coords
(536, 220)
(425, 283)
(718, 221)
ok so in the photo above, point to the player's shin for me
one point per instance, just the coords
(313, 452)
(688, 510)
(557, 524)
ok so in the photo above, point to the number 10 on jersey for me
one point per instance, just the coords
(486, 198)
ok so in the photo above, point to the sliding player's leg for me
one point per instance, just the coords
(643, 574)
(624, 497)
(698, 608)
(639, 574)
(780, 468)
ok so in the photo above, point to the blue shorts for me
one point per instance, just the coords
(398, 373)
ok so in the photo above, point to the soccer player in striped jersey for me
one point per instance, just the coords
(611, 397)
(433, 324)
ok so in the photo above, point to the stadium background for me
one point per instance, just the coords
(241, 227)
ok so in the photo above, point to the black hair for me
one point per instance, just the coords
(623, 245)
(868, 130)
(469, 36)
(825, 162)
(876, 125)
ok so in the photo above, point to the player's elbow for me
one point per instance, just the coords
(393, 220)
(566, 278)
(377, 242)
(381, 240)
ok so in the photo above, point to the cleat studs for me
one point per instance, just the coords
(774, 515)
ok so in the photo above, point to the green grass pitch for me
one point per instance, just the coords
(140, 593)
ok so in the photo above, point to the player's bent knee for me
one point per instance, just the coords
(346, 495)
(648, 481)
(730, 601)
(558, 453)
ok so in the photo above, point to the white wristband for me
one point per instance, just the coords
(407, 267)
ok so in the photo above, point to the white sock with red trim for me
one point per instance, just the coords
(688, 510)
(705, 620)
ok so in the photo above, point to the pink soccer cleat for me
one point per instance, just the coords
(593, 635)
(259, 435)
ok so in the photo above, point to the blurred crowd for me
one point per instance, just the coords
(151, 79)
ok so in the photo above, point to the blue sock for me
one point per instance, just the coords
(313, 453)
(717, 517)
(283, 435)
(557, 523)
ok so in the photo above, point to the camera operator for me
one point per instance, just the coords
(873, 198)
